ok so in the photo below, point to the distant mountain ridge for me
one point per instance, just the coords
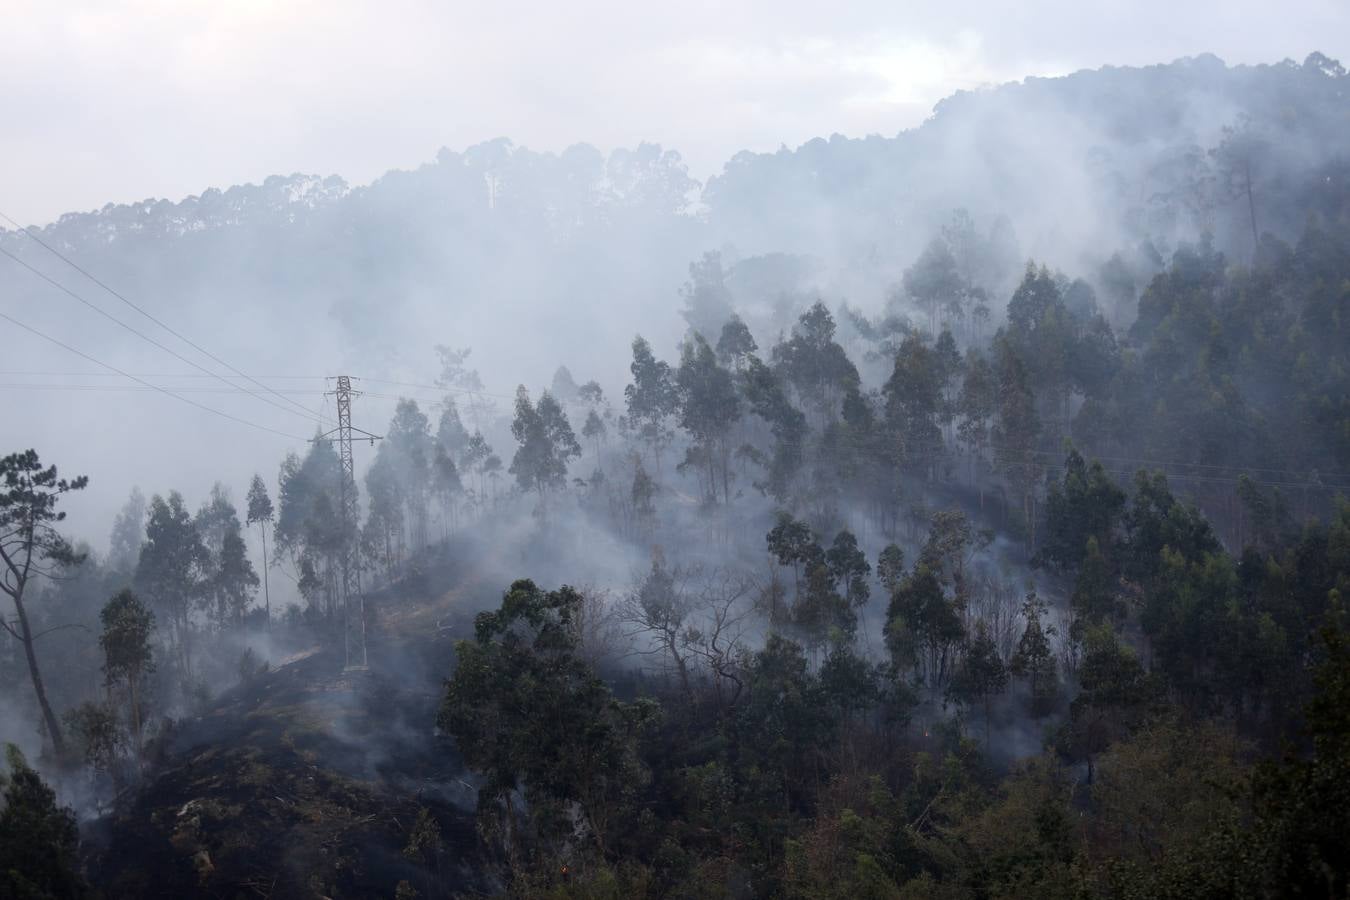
(1133, 105)
(580, 247)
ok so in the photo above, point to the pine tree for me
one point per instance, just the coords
(31, 548)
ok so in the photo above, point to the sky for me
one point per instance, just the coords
(124, 100)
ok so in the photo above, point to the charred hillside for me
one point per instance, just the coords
(308, 779)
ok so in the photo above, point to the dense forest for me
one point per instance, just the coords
(951, 531)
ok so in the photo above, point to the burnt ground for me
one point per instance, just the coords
(305, 781)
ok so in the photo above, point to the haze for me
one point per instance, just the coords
(127, 99)
(796, 452)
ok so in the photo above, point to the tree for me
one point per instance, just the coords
(1239, 157)
(477, 451)
(735, 344)
(820, 613)
(977, 404)
(527, 713)
(934, 283)
(1302, 802)
(39, 841)
(643, 492)
(546, 443)
(1094, 601)
(309, 527)
(236, 581)
(913, 396)
(708, 407)
(564, 386)
(707, 302)
(658, 607)
(174, 570)
(384, 529)
(408, 445)
(592, 394)
(451, 435)
(31, 548)
(445, 481)
(891, 567)
(128, 531)
(981, 674)
(1113, 685)
(814, 364)
(923, 628)
(767, 399)
(260, 514)
(230, 579)
(792, 544)
(651, 398)
(849, 567)
(97, 736)
(1085, 504)
(594, 430)
(127, 656)
(1035, 658)
(1016, 433)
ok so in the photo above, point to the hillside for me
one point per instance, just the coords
(308, 780)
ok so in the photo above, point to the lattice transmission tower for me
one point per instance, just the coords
(353, 600)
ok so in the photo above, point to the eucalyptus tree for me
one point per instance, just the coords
(174, 571)
(309, 528)
(128, 531)
(651, 399)
(546, 443)
(735, 344)
(708, 408)
(128, 627)
(259, 512)
(815, 365)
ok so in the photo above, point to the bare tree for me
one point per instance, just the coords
(656, 609)
(717, 642)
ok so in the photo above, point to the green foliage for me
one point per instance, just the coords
(708, 407)
(1084, 507)
(546, 443)
(923, 628)
(32, 548)
(1034, 659)
(981, 674)
(38, 839)
(529, 714)
(891, 567)
(174, 569)
(849, 568)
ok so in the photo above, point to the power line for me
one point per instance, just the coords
(145, 337)
(165, 391)
(40, 386)
(138, 309)
(148, 375)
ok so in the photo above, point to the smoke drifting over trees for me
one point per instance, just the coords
(953, 514)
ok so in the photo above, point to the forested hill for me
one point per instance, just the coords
(1075, 168)
(956, 515)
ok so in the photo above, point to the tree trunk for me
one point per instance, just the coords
(26, 638)
(1251, 205)
(267, 594)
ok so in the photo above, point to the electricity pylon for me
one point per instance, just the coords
(353, 601)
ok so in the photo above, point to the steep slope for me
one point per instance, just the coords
(308, 779)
